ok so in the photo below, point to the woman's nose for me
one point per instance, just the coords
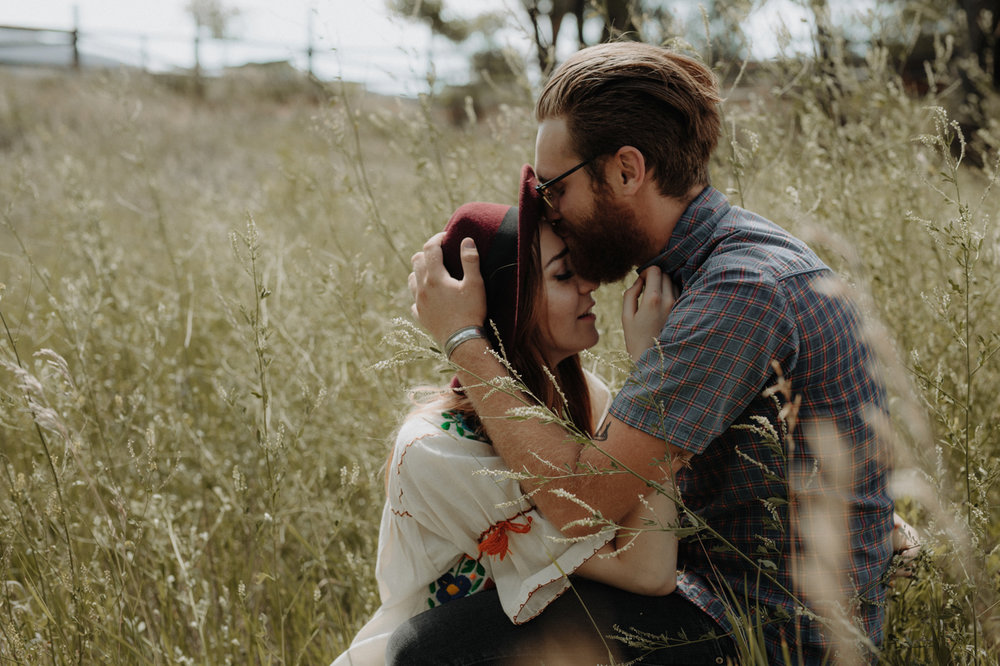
(586, 286)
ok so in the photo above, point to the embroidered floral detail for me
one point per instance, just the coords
(449, 587)
(495, 541)
(465, 578)
(462, 427)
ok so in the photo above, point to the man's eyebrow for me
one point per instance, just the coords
(557, 257)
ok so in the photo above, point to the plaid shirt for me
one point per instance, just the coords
(749, 295)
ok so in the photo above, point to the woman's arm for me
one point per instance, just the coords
(643, 320)
(642, 558)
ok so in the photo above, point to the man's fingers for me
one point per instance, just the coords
(470, 261)
(428, 264)
(434, 241)
(411, 282)
(441, 303)
(429, 258)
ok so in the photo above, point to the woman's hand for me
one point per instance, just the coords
(642, 320)
(905, 548)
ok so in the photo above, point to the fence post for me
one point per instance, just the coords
(309, 37)
(199, 85)
(75, 37)
(197, 51)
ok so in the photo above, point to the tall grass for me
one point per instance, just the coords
(195, 294)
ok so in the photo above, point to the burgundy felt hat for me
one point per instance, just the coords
(503, 238)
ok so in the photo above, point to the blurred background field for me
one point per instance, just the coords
(197, 280)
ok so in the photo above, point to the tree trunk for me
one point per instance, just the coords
(619, 19)
(983, 39)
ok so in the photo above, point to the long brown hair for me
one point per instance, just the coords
(526, 358)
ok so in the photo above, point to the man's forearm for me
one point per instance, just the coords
(544, 450)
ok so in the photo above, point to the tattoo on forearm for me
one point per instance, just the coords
(602, 432)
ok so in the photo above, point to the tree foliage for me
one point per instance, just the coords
(966, 31)
(618, 19)
(446, 24)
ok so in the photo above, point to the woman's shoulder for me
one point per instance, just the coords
(431, 432)
(440, 420)
(430, 441)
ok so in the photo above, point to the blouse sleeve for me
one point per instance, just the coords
(600, 397)
(458, 488)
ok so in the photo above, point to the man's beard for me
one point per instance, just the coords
(607, 244)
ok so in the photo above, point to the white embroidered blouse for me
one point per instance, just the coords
(451, 528)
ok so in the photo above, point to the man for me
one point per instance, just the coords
(759, 391)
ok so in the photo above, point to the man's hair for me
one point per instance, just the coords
(633, 94)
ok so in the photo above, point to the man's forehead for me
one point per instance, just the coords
(552, 148)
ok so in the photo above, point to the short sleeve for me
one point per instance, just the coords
(462, 491)
(600, 397)
(453, 485)
(533, 572)
(713, 357)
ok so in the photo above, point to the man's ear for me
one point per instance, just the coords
(630, 171)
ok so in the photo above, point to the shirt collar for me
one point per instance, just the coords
(693, 230)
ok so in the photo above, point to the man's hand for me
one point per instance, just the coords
(643, 321)
(441, 303)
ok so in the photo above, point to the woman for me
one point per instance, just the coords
(455, 521)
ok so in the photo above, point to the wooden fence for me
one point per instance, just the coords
(79, 48)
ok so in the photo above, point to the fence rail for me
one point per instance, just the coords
(74, 37)
(401, 70)
(31, 29)
(74, 40)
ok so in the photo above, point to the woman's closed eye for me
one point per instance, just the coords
(566, 271)
(565, 275)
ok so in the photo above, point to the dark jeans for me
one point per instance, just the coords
(475, 630)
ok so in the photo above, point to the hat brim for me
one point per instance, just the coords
(530, 212)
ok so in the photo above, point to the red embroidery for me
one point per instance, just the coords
(494, 541)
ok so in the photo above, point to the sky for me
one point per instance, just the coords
(357, 40)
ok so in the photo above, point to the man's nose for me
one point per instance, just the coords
(552, 213)
(556, 221)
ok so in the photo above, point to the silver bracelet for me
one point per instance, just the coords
(460, 336)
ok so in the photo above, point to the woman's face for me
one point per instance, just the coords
(568, 325)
